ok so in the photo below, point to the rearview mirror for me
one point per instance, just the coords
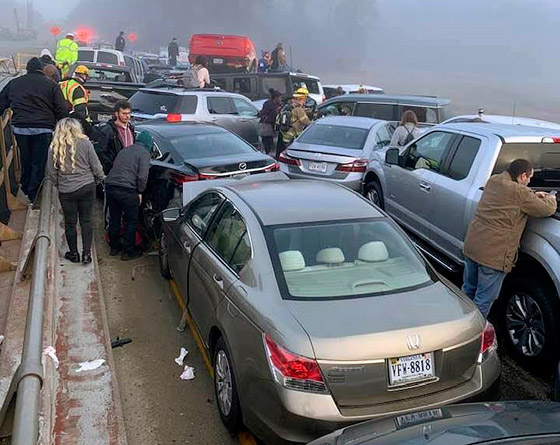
(171, 215)
(392, 156)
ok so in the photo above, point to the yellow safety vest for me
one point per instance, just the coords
(68, 87)
(66, 52)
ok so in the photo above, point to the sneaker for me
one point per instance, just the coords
(86, 257)
(127, 256)
(74, 257)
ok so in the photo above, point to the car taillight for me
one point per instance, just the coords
(272, 167)
(121, 63)
(284, 158)
(549, 140)
(181, 178)
(489, 343)
(358, 166)
(174, 118)
(324, 98)
(293, 371)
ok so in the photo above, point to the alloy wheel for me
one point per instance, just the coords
(525, 324)
(223, 381)
(373, 196)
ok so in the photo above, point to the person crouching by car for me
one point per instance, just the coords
(495, 232)
(116, 134)
(124, 187)
(74, 168)
(268, 115)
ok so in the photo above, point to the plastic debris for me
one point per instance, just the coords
(1, 339)
(51, 353)
(91, 365)
(188, 373)
(179, 360)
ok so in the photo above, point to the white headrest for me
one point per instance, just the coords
(373, 252)
(330, 255)
(291, 260)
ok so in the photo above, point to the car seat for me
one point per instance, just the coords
(292, 260)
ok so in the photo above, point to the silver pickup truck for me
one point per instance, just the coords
(432, 187)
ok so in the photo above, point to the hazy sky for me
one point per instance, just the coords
(54, 10)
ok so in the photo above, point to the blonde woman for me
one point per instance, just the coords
(74, 168)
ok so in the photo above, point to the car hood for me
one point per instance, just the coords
(454, 425)
(376, 327)
(230, 163)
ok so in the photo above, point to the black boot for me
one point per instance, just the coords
(72, 256)
(86, 257)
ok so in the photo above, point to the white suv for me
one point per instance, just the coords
(111, 57)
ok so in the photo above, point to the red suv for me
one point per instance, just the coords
(224, 53)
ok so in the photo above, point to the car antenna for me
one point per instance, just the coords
(513, 112)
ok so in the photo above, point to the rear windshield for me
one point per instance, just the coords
(335, 136)
(85, 55)
(544, 157)
(345, 259)
(104, 75)
(105, 57)
(151, 102)
(196, 146)
(384, 112)
(312, 85)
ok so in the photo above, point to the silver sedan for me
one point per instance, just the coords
(319, 314)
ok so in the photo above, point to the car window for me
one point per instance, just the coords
(200, 211)
(278, 83)
(312, 85)
(209, 145)
(383, 136)
(338, 109)
(335, 136)
(229, 239)
(244, 108)
(106, 57)
(244, 85)
(424, 114)
(376, 111)
(220, 105)
(86, 55)
(129, 61)
(154, 102)
(101, 75)
(344, 259)
(429, 151)
(464, 157)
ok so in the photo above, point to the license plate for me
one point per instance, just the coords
(218, 61)
(419, 417)
(409, 369)
(320, 167)
(103, 117)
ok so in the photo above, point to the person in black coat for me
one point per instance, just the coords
(268, 115)
(115, 135)
(120, 43)
(38, 104)
(173, 52)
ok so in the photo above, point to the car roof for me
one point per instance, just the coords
(508, 133)
(501, 119)
(107, 66)
(426, 101)
(174, 129)
(301, 201)
(353, 87)
(349, 121)
(273, 74)
(180, 91)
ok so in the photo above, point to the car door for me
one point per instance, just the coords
(408, 196)
(188, 234)
(247, 120)
(216, 264)
(222, 112)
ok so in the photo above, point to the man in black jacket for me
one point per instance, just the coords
(124, 187)
(117, 134)
(120, 43)
(38, 104)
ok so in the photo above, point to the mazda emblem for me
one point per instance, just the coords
(243, 166)
(413, 341)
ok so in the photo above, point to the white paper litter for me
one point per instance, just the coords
(1, 339)
(91, 365)
(51, 353)
(179, 360)
(188, 373)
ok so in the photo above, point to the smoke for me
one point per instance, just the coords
(497, 55)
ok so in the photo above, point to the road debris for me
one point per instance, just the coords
(179, 360)
(91, 365)
(120, 342)
(50, 352)
(188, 373)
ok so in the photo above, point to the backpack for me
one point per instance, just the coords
(409, 136)
(284, 119)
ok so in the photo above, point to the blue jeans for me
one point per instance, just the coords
(482, 284)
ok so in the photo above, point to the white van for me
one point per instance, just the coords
(111, 57)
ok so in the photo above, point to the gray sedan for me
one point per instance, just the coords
(318, 315)
(337, 149)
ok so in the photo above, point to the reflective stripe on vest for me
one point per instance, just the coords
(68, 88)
(66, 52)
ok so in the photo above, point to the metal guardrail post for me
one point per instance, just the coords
(26, 420)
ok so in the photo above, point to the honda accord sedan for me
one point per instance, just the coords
(318, 315)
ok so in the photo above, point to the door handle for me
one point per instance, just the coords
(426, 187)
(213, 119)
(218, 280)
(244, 120)
(187, 247)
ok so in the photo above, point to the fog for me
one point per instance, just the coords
(500, 54)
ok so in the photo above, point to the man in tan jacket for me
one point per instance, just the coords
(495, 232)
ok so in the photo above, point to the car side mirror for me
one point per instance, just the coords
(392, 156)
(171, 215)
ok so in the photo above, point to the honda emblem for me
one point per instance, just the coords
(413, 341)
(243, 166)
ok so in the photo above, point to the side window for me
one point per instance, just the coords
(105, 57)
(429, 151)
(229, 239)
(220, 105)
(338, 109)
(244, 108)
(244, 85)
(129, 61)
(200, 211)
(377, 111)
(464, 157)
(383, 137)
(278, 83)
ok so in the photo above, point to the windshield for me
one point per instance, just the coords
(151, 102)
(345, 259)
(209, 145)
(544, 157)
(311, 85)
(335, 136)
(107, 75)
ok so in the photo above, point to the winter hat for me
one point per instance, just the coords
(34, 64)
(146, 140)
(46, 52)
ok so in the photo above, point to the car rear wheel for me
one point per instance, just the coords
(374, 193)
(163, 256)
(226, 388)
(528, 320)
